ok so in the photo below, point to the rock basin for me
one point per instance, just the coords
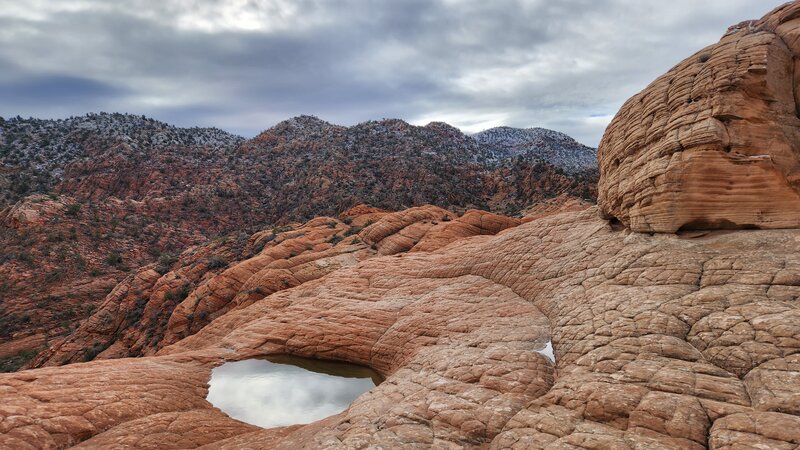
(280, 390)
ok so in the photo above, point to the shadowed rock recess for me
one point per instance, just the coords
(661, 341)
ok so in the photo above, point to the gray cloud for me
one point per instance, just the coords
(243, 65)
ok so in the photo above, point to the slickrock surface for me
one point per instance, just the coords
(165, 302)
(660, 342)
(715, 142)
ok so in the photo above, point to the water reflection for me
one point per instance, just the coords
(547, 351)
(285, 390)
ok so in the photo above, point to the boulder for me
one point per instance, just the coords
(715, 142)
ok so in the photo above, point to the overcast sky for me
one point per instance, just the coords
(244, 65)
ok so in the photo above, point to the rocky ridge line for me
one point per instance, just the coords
(540, 143)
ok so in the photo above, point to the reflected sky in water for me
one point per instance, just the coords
(283, 390)
(548, 352)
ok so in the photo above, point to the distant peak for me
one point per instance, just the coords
(309, 119)
(552, 146)
(302, 121)
(517, 135)
(386, 122)
(442, 126)
(302, 126)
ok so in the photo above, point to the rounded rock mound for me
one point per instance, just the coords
(715, 142)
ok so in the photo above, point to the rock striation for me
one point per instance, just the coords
(164, 302)
(659, 342)
(715, 142)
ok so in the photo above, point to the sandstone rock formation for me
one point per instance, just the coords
(715, 142)
(660, 342)
(130, 189)
(159, 305)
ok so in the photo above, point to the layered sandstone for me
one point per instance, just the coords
(660, 342)
(715, 142)
(161, 304)
(78, 193)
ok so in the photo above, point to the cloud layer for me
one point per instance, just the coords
(244, 65)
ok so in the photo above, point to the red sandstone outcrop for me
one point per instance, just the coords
(127, 189)
(715, 142)
(158, 306)
(660, 342)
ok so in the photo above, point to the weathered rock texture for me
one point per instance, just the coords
(161, 304)
(122, 190)
(660, 342)
(715, 142)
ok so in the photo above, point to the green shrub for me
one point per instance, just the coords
(135, 314)
(179, 294)
(25, 257)
(73, 209)
(352, 230)
(92, 352)
(114, 258)
(217, 262)
(15, 362)
(165, 262)
(52, 277)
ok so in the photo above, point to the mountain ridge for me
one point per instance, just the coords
(83, 201)
(549, 145)
(47, 146)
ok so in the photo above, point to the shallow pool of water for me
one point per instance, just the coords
(286, 390)
(547, 351)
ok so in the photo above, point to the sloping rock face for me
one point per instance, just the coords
(162, 303)
(715, 142)
(660, 342)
